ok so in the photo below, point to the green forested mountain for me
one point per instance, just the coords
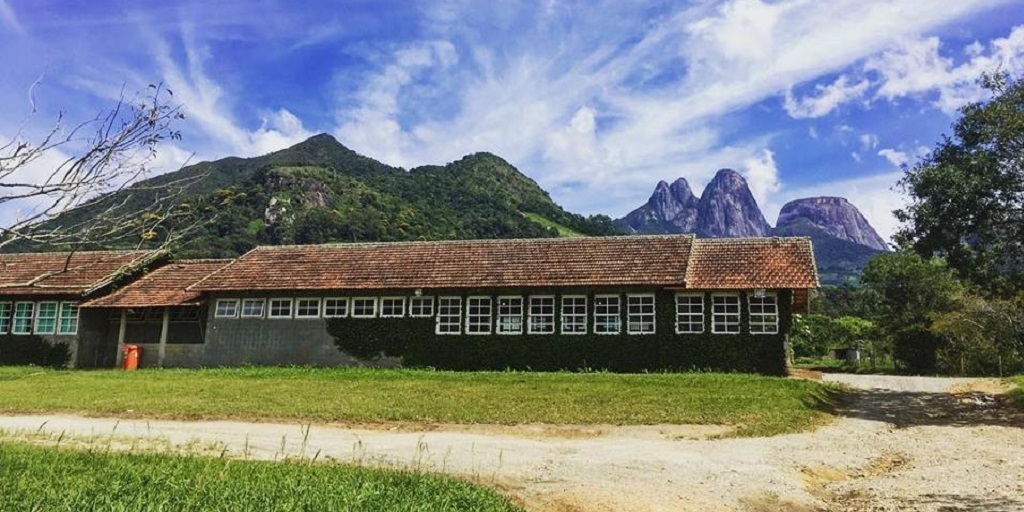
(320, 191)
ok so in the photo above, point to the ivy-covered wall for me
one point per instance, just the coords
(414, 340)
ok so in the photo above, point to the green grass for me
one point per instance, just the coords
(36, 478)
(563, 231)
(1018, 392)
(758, 405)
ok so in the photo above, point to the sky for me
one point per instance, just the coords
(595, 100)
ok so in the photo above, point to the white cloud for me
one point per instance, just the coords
(829, 97)
(896, 158)
(868, 141)
(762, 175)
(10, 18)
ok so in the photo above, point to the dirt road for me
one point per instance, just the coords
(902, 443)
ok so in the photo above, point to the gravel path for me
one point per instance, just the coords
(901, 444)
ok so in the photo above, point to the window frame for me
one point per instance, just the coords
(438, 322)
(599, 316)
(653, 314)
(6, 318)
(751, 315)
(352, 307)
(216, 309)
(241, 309)
(578, 316)
(530, 316)
(61, 318)
(715, 314)
(177, 317)
(500, 316)
(39, 317)
(690, 314)
(401, 310)
(296, 307)
(270, 308)
(338, 300)
(473, 320)
(412, 305)
(30, 318)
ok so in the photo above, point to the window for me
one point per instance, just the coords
(136, 315)
(280, 308)
(421, 307)
(46, 318)
(23, 318)
(574, 314)
(478, 315)
(542, 315)
(68, 323)
(335, 308)
(510, 315)
(307, 308)
(364, 307)
(226, 308)
(607, 314)
(689, 313)
(640, 314)
(5, 317)
(253, 308)
(725, 314)
(449, 315)
(189, 313)
(764, 313)
(392, 307)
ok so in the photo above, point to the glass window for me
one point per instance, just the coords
(335, 308)
(280, 308)
(307, 308)
(725, 314)
(510, 315)
(253, 308)
(421, 307)
(392, 307)
(23, 317)
(574, 314)
(542, 315)
(478, 315)
(449, 315)
(5, 317)
(607, 314)
(640, 314)
(364, 307)
(46, 318)
(764, 313)
(689, 313)
(68, 318)
(190, 314)
(226, 308)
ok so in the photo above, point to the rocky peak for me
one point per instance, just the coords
(728, 209)
(833, 215)
(670, 209)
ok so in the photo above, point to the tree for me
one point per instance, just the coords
(968, 194)
(109, 153)
(985, 337)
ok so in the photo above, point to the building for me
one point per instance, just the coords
(629, 303)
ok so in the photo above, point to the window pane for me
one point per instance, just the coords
(607, 314)
(689, 313)
(640, 314)
(574, 314)
(510, 315)
(725, 314)
(392, 307)
(280, 308)
(449, 315)
(5, 317)
(764, 318)
(364, 307)
(542, 315)
(478, 315)
(23, 318)
(335, 308)
(253, 308)
(421, 307)
(307, 308)
(68, 318)
(226, 308)
(46, 318)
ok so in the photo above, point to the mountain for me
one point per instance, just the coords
(833, 215)
(320, 191)
(671, 209)
(727, 209)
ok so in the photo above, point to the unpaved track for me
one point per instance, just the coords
(903, 443)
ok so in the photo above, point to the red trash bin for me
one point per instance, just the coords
(130, 362)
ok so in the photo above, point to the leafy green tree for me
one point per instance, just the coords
(968, 194)
(984, 337)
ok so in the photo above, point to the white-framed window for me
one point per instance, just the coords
(280, 308)
(542, 314)
(510, 315)
(449, 315)
(607, 314)
(725, 313)
(764, 313)
(421, 307)
(640, 314)
(23, 318)
(478, 315)
(253, 308)
(574, 314)
(307, 308)
(183, 314)
(689, 313)
(364, 307)
(335, 307)
(392, 307)
(68, 323)
(46, 318)
(226, 308)
(5, 317)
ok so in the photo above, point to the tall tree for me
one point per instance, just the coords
(968, 194)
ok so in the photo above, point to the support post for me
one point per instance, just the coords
(162, 351)
(120, 338)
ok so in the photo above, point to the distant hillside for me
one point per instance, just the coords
(320, 191)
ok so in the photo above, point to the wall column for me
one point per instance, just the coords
(119, 358)
(162, 351)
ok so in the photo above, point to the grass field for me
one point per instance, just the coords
(1018, 392)
(757, 405)
(36, 478)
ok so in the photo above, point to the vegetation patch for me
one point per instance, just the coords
(38, 478)
(756, 405)
(1018, 392)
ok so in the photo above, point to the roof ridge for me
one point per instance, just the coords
(203, 260)
(472, 240)
(65, 253)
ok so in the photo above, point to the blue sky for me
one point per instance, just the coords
(595, 100)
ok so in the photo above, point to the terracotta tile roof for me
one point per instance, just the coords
(746, 263)
(164, 286)
(85, 272)
(597, 261)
